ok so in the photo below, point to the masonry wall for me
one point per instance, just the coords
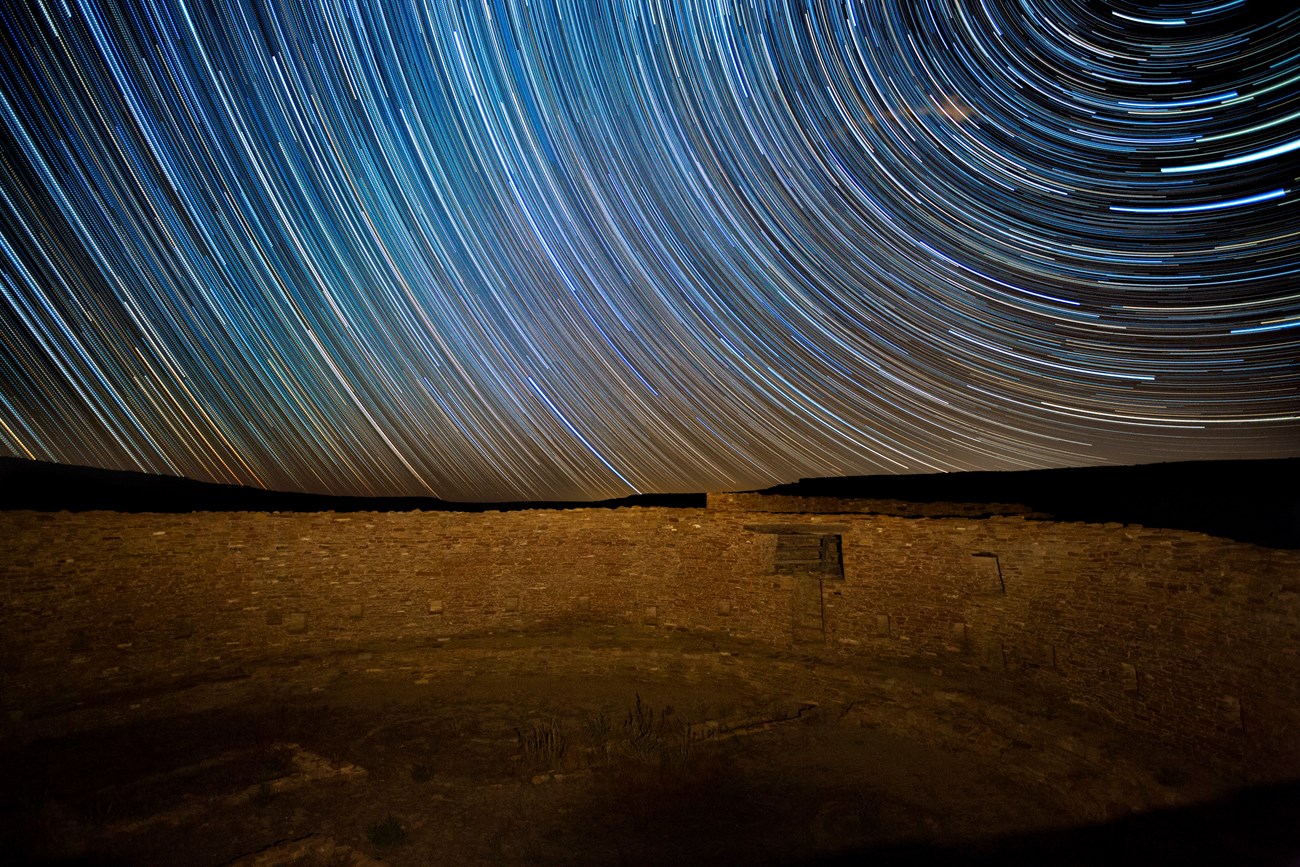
(1179, 635)
(1190, 638)
(97, 601)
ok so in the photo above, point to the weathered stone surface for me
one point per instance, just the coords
(97, 603)
(1130, 675)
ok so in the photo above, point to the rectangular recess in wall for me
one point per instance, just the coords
(833, 556)
(809, 553)
(989, 568)
(1230, 707)
(798, 552)
(1129, 673)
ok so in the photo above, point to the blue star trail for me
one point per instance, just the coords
(576, 249)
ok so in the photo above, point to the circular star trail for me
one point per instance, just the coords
(572, 249)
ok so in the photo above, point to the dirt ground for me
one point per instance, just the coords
(615, 748)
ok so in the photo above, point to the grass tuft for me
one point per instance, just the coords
(598, 728)
(543, 744)
(657, 735)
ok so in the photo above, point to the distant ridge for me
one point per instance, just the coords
(1255, 501)
(47, 487)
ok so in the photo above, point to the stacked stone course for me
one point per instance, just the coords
(1188, 638)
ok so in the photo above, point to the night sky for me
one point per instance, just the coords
(579, 249)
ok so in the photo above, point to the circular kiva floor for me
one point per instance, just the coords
(610, 748)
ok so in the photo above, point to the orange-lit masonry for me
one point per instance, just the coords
(1184, 637)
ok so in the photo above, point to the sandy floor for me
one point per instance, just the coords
(606, 748)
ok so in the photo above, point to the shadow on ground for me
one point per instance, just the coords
(1258, 826)
(549, 750)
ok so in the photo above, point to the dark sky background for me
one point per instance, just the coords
(572, 249)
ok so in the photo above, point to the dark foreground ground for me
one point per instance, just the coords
(614, 748)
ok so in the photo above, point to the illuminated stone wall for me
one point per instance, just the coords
(1182, 636)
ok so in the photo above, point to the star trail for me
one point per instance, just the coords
(577, 249)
